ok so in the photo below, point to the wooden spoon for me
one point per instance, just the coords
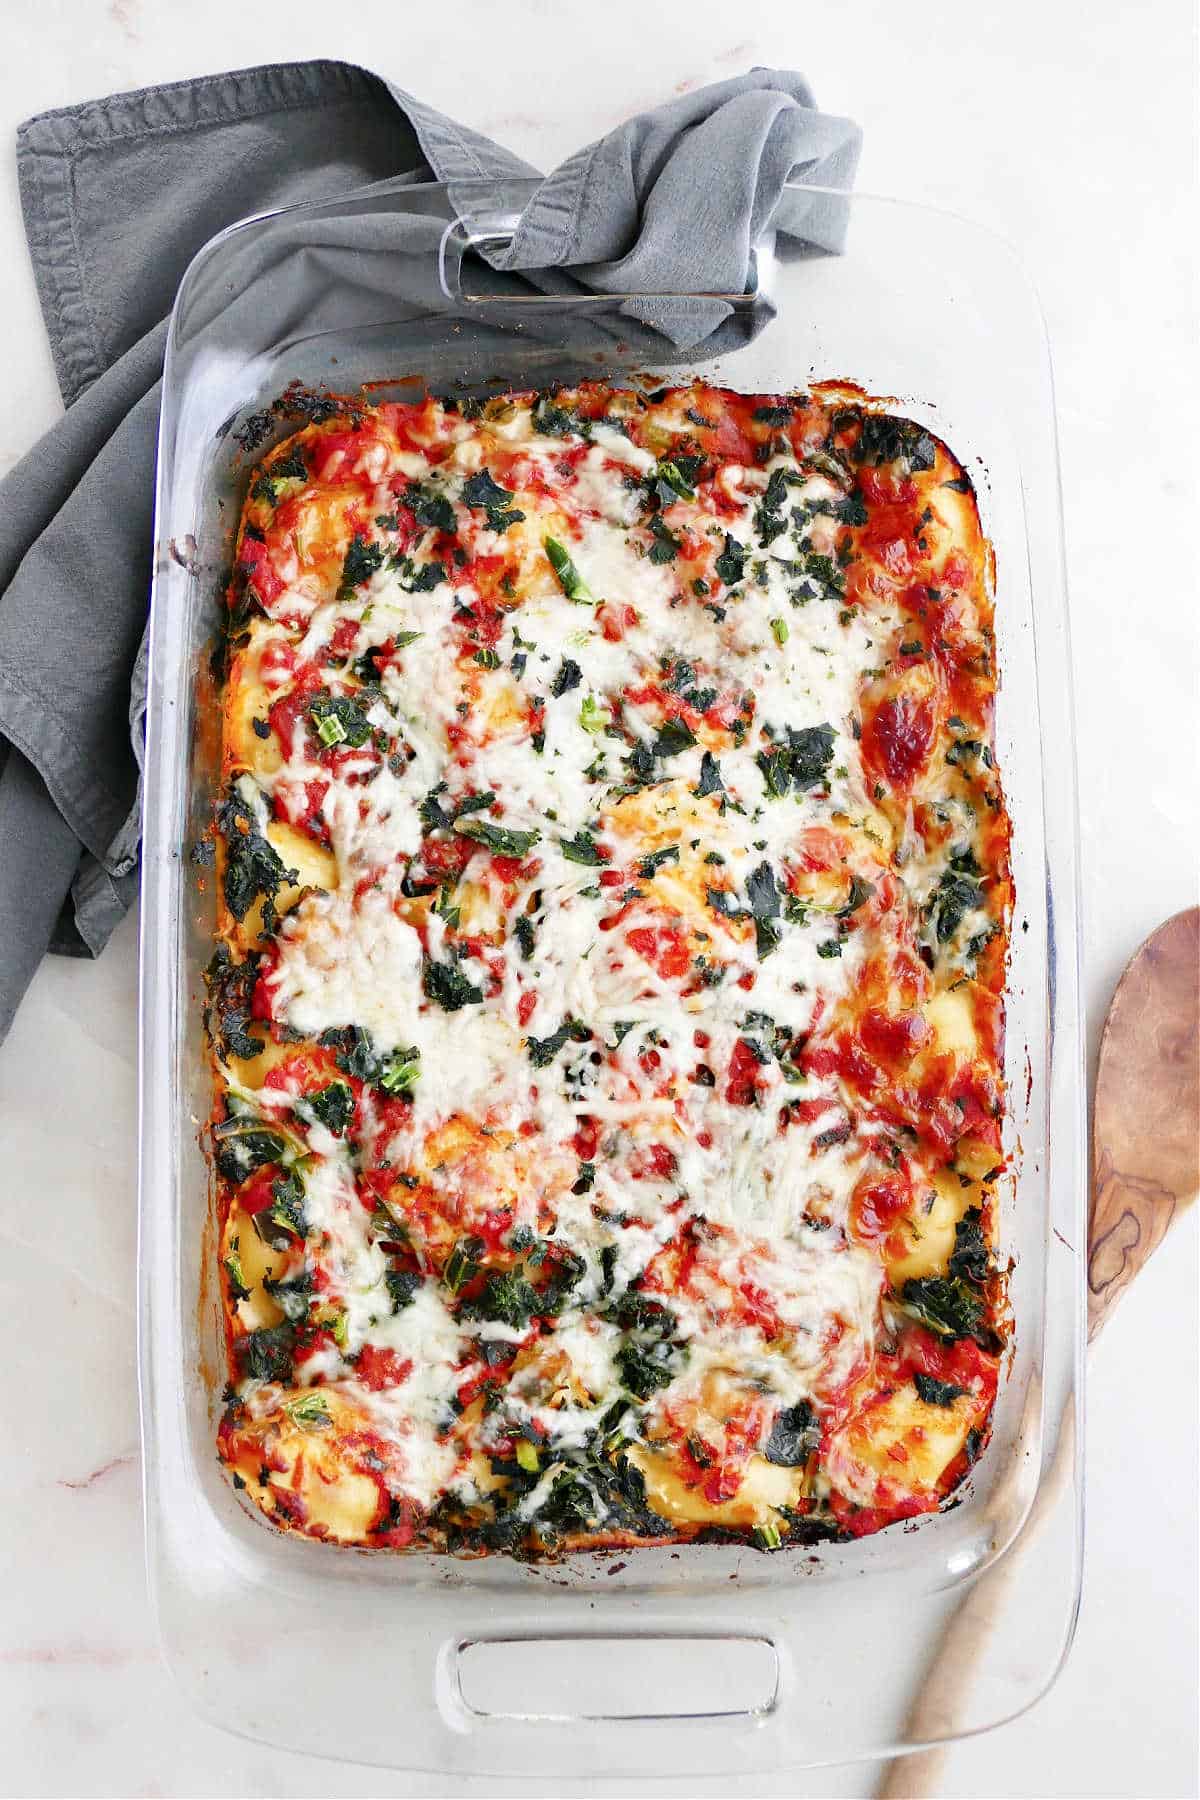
(1145, 1170)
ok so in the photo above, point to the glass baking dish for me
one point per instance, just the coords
(714, 1659)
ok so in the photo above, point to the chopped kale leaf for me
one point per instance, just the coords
(648, 866)
(710, 776)
(462, 1264)
(362, 560)
(499, 839)
(252, 866)
(333, 1106)
(672, 737)
(731, 563)
(936, 1393)
(581, 849)
(402, 1286)
(796, 760)
(762, 892)
(795, 1435)
(230, 1003)
(481, 492)
(429, 506)
(267, 1355)
(645, 1368)
(447, 986)
(666, 545)
(885, 439)
(558, 421)
(971, 1256)
(948, 1305)
(952, 899)
(339, 719)
(860, 892)
(542, 1051)
(291, 1297)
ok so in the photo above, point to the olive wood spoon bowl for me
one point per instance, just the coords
(1145, 1171)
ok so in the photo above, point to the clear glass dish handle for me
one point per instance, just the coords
(494, 228)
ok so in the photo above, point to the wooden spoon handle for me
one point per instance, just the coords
(939, 1705)
(1145, 1169)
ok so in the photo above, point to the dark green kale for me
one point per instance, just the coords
(523, 932)
(885, 439)
(402, 1286)
(795, 1435)
(228, 1014)
(284, 1220)
(948, 1305)
(354, 1051)
(434, 816)
(731, 563)
(581, 849)
(507, 1297)
(762, 892)
(710, 776)
(648, 866)
(297, 402)
(462, 1264)
(501, 840)
(338, 719)
(253, 431)
(639, 764)
(952, 899)
(481, 492)
(542, 1051)
(423, 579)
(447, 986)
(765, 905)
(772, 415)
(826, 571)
(675, 480)
(795, 760)
(245, 1144)
(429, 506)
(332, 1106)
(936, 1393)
(290, 468)
(673, 736)
(291, 1297)
(971, 1256)
(362, 560)
(768, 516)
(569, 676)
(853, 509)
(267, 1355)
(860, 892)
(645, 1367)
(667, 544)
(252, 866)
(558, 421)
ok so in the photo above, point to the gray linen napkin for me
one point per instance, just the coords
(118, 195)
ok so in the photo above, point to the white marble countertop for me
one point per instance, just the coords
(1065, 128)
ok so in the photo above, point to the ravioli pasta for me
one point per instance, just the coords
(607, 1007)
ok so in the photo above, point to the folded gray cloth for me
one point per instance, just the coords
(118, 195)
